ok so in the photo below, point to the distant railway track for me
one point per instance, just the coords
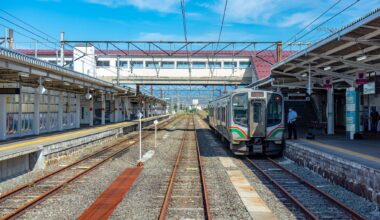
(186, 195)
(311, 201)
(15, 202)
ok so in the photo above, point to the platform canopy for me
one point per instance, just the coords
(339, 57)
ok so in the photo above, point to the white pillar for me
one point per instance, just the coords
(3, 117)
(36, 116)
(19, 124)
(103, 110)
(77, 111)
(60, 112)
(117, 109)
(330, 111)
(91, 113)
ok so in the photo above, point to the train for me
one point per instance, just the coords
(252, 121)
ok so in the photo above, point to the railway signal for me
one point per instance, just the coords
(140, 163)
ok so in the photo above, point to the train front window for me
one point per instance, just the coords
(274, 110)
(239, 108)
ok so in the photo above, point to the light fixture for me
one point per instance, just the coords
(48, 79)
(304, 75)
(41, 89)
(361, 58)
(88, 95)
(66, 83)
(80, 86)
(23, 74)
(327, 68)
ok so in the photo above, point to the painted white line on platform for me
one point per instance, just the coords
(227, 162)
(147, 156)
(256, 207)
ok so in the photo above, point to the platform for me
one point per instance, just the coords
(354, 164)
(21, 155)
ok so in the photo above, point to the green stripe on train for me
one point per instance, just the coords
(237, 131)
(277, 131)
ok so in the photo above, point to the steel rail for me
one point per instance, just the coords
(332, 199)
(43, 196)
(165, 203)
(206, 206)
(283, 190)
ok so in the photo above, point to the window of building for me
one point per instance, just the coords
(167, 65)
(230, 65)
(123, 63)
(215, 65)
(239, 106)
(103, 63)
(199, 65)
(137, 64)
(152, 65)
(245, 64)
(52, 61)
(182, 65)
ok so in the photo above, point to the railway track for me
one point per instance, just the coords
(186, 195)
(20, 199)
(305, 197)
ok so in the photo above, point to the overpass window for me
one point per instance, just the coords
(152, 65)
(137, 64)
(167, 65)
(230, 65)
(239, 106)
(274, 110)
(103, 63)
(245, 64)
(123, 63)
(199, 65)
(52, 61)
(182, 65)
(215, 65)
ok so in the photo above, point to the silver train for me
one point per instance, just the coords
(251, 120)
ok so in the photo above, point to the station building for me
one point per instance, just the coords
(39, 97)
(334, 83)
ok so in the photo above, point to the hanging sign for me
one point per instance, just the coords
(327, 84)
(361, 78)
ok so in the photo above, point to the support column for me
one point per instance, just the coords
(352, 112)
(36, 116)
(103, 110)
(330, 111)
(3, 117)
(60, 112)
(117, 109)
(77, 111)
(91, 112)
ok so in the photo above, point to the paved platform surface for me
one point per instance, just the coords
(21, 146)
(365, 152)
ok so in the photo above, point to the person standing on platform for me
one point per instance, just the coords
(374, 120)
(292, 129)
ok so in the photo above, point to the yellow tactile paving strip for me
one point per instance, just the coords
(343, 150)
(227, 162)
(256, 207)
(24, 143)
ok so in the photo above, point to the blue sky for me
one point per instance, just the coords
(246, 20)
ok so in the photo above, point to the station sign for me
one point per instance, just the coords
(369, 88)
(9, 88)
(361, 78)
(327, 83)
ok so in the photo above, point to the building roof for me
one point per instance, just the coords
(340, 56)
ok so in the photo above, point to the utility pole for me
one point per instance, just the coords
(10, 39)
(279, 51)
(118, 70)
(62, 49)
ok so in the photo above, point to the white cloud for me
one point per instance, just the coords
(155, 36)
(297, 19)
(165, 6)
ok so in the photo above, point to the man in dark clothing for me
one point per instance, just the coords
(374, 120)
(292, 117)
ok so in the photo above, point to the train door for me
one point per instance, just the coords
(257, 118)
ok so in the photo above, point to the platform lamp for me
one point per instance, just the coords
(88, 95)
(41, 89)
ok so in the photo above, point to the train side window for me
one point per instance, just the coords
(274, 110)
(239, 107)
